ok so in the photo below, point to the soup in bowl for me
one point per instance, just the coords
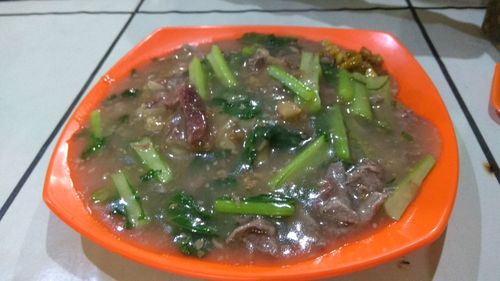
(262, 149)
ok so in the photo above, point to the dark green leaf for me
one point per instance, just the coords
(94, 145)
(271, 42)
(276, 135)
(240, 106)
(131, 93)
(329, 73)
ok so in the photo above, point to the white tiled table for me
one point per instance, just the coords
(51, 51)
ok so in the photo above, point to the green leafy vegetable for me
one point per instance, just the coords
(313, 155)
(96, 139)
(190, 224)
(330, 72)
(406, 189)
(134, 212)
(131, 93)
(277, 137)
(266, 205)
(197, 78)
(274, 44)
(345, 88)
(240, 106)
(104, 194)
(360, 105)
(332, 124)
(304, 92)
(311, 70)
(151, 159)
(220, 67)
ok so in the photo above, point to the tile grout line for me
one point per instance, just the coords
(475, 129)
(242, 11)
(62, 121)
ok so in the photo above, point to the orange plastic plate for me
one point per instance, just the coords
(495, 90)
(423, 222)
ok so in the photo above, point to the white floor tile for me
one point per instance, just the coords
(45, 62)
(67, 6)
(470, 59)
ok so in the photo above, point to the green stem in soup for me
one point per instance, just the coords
(264, 205)
(375, 83)
(345, 88)
(330, 73)
(360, 105)
(96, 139)
(406, 189)
(339, 133)
(311, 70)
(150, 158)
(221, 68)
(311, 157)
(134, 212)
(304, 92)
(104, 194)
(197, 78)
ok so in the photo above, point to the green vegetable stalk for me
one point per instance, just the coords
(406, 189)
(134, 212)
(360, 105)
(197, 78)
(221, 68)
(311, 70)
(311, 157)
(151, 159)
(304, 92)
(339, 133)
(96, 140)
(345, 88)
(264, 205)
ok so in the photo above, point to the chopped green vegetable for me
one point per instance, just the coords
(151, 175)
(330, 72)
(104, 194)
(274, 44)
(406, 136)
(134, 212)
(276, 135)
(406, 189)
(311, 157)
(150, 158)
(265, 205)
(197, 78)
(220, 67)
(304, 92)
(190, 224)
(131, 93)
(311, 70)
(96, 139)
(360, 105)
(345, 88)
(240, 106)
(339, 134)
(248, 51)
(374, 83)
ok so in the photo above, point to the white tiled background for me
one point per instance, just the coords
(49, 49)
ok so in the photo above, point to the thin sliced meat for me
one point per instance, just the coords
(193, 111)
(257, 235)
